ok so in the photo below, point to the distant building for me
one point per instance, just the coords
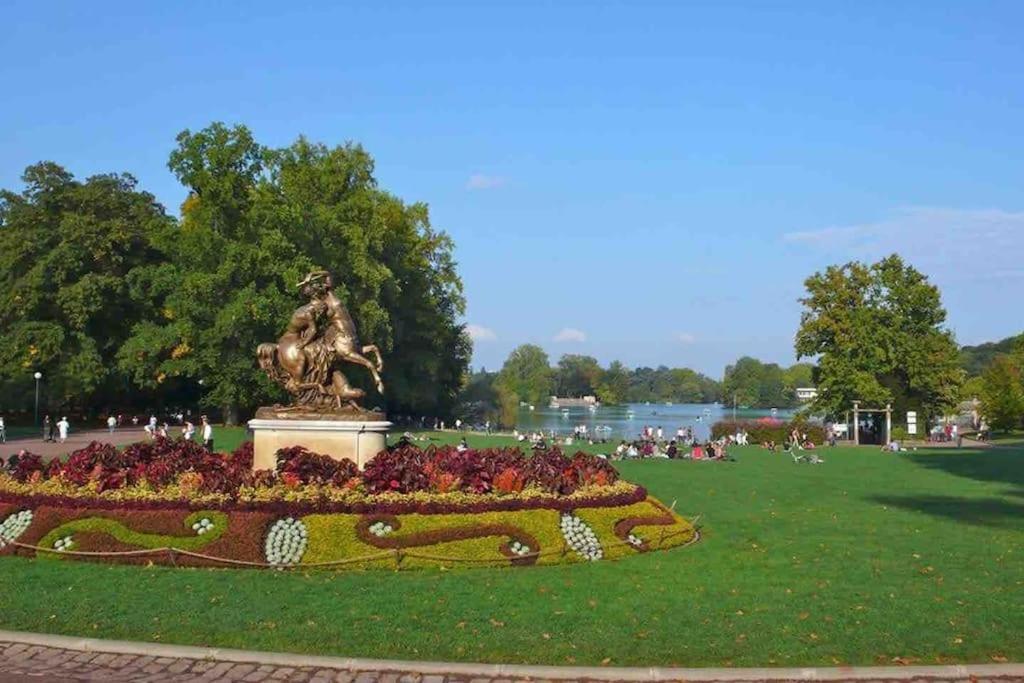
(805, 394)
(585, 402)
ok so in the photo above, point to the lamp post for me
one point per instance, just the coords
(38, 377)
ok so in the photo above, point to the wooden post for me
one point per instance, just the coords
(856, 423)
(888, 423)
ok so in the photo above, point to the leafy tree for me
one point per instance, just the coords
(479, 399)
(749, 382)
(672, 384)
(613, 388)
(255, 221)
(798, 375)
(527, 374)
(879, 337)
(1002, 393)
(508, 406)
(68, 253)
(577, 375)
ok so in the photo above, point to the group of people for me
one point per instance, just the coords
(54, 431)
(796, 441)
(155, 429)
(712, 449)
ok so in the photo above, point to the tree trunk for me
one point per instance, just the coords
(229, 413)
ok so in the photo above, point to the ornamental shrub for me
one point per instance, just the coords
(26, 467)
(549, 470)
(509, 480)
(298, 464)
(763, 430)
(592, 470)
(399, 470)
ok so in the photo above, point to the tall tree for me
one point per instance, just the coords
(577, 375)
(527, 374)
(68, 253)
(255, 221)
(752, 383)
(878, 332)
(613, 388)
(1002, 394)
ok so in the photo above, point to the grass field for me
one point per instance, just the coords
(868, 558)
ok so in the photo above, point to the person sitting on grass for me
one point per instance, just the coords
(892, 447)
(620, 451)
(770, 445)
(698, 451)
(672, 451)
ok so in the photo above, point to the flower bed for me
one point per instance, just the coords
(169, 502)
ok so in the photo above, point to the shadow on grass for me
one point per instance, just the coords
(995, 465)
(989, 512)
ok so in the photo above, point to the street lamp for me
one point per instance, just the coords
(38, 377)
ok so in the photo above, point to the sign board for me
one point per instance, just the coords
(911, 422)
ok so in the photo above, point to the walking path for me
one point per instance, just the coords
(76, 440)
(35, 656)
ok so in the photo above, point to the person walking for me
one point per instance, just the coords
(207, 434)
(111, 424)
(63, 426)
(3, 431)
(47, 429)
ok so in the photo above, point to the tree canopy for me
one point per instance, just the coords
(69, 251)
(577, 375)
(878, 334)
(105, 293)
(527, 375)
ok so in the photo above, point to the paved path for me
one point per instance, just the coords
(76, 440)
(35, 657)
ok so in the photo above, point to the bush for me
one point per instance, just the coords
(398, 470)
(763, 430)
(296, 464)
(188, 469)
(26, 467)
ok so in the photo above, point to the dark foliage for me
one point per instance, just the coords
(313, 468)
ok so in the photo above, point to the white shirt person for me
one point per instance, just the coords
(63, 426)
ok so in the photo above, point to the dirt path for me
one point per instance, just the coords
(76, 440)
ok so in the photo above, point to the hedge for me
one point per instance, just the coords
(759, 431)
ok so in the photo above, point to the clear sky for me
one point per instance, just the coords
(649, 182)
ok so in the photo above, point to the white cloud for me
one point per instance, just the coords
(685, 338)
(479, 181)
(480, 333)
(569, 334)
(967, 243)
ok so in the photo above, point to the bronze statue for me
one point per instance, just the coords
(320, 335)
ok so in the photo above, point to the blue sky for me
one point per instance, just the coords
(649, 182)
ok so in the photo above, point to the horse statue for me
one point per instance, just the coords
(319, 335)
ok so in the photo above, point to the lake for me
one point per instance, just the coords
(627, 421)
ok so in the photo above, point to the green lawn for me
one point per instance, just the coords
(868, 558)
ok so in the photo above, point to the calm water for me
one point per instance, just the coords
(627, 421)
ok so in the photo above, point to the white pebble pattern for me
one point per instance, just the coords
(202, 526)
(286, 542)
(14, 526)
(581, 538)
(380, 529)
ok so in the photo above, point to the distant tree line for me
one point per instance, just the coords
(527, 376)
(996, 379)
(119, 304)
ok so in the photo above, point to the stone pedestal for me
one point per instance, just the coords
(351, 439)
